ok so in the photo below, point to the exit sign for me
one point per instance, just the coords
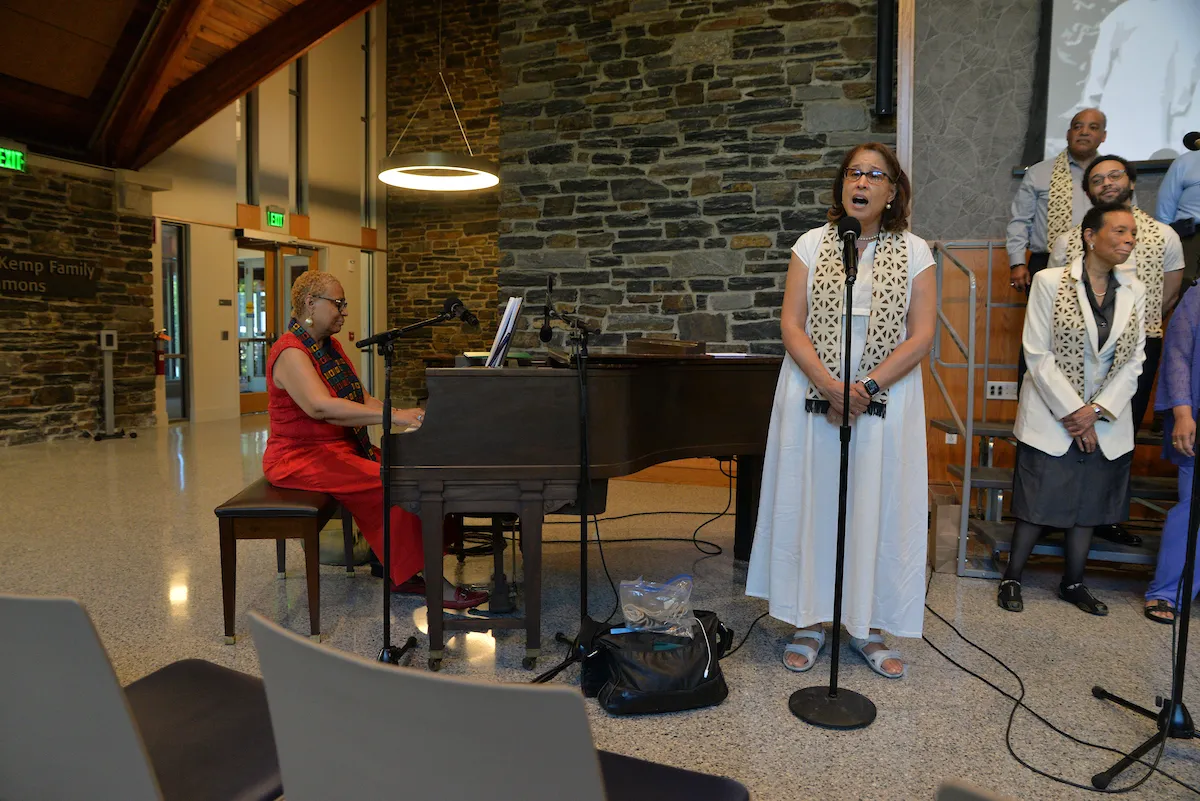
(12, 159)
(274, 218)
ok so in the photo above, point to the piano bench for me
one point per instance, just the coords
(264, 512)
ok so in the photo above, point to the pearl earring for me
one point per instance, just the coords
(888, 206)
(308, 321)
(1091, 246)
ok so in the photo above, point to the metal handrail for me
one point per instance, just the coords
(965, 428)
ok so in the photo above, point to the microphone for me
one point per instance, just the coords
(1192, 140)
(453, 308)
(849, 229)
(546, 333)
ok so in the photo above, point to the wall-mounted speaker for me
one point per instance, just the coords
(885, 58)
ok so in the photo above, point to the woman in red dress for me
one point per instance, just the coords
(319, 415)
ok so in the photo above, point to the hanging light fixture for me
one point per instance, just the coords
(438, 171)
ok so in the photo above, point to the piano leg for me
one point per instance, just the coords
(749, 484)
(432, 518)
(531, 539)
(500, 602)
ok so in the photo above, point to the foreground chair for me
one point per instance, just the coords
(419, 735)
(191, 731)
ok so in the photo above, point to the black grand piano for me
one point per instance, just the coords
(506, 441)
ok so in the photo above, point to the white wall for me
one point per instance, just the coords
(203, 195)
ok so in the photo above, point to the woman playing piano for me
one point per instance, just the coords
(892, 324)
(319, 415)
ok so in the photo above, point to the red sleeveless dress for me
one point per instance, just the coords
(307, 454)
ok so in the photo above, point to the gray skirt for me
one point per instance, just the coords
(1075, 489)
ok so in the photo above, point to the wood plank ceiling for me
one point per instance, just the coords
(117, 83)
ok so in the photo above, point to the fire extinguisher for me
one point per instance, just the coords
(160, 351)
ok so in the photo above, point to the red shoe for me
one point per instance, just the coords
(463, 599)
(414, 586)
(466, 599)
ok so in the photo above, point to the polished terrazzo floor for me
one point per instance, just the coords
(127, 527)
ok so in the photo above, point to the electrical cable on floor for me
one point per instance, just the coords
(1019, 702)
(711, 549)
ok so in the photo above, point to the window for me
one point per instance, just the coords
(298, 104)
(246, 132)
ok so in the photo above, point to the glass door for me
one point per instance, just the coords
(175, 305)
(255, 322)
(265, 277)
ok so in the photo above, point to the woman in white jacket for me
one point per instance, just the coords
(1084, 341)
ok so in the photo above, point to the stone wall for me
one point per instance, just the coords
(441, 243)
(660, 157)
(51, 374)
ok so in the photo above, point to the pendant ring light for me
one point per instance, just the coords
(438, 171)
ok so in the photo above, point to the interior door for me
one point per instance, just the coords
(265, 277)
(256, 313)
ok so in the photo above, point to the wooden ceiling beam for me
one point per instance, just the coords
(199, 98)
(151, 78)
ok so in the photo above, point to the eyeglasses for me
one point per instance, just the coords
(873, 176)
(341, 303)
(1099, 180)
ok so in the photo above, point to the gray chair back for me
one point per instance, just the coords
(65, 728)
(412, 734)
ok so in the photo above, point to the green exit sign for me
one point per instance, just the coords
(275, 218)
(12, 159)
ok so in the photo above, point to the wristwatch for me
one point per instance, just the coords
(1099, 412)
(871, 386)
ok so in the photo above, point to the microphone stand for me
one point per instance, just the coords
(589, 629)
(1173, 718)
(834, 708)
(386, 342)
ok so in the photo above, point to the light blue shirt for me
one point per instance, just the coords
(1030, 216)
(1179, 195)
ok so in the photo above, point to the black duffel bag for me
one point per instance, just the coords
(641, 673)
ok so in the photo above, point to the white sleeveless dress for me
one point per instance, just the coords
(795, 541)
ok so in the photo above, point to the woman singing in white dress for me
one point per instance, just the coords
(892, 324)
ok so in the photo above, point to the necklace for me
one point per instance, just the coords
(870, 238)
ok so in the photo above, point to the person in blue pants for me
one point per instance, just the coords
(1178, 396)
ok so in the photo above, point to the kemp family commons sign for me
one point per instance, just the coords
(24, 275)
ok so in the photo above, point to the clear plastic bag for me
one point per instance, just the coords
(661, 608)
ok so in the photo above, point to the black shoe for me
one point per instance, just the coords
(1079, 595)
(1117, 534)
(1009, 596)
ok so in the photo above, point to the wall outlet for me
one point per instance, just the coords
(951, 439)
(1002, 390)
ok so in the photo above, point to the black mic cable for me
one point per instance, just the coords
(546, 334)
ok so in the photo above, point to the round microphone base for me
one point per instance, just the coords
(846, 710)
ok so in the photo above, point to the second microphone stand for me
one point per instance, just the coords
(833, 707)
(582, 645)
(386, 342)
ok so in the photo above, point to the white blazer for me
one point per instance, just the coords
(1047, 396)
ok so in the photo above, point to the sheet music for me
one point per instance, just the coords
(504, 332)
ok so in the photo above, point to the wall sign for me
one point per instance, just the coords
(25, 275)
(275, 217)
(12, 158)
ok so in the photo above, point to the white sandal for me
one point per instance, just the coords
(806, 651)
(875, 659)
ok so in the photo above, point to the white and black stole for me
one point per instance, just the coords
(1070, 335)
(889, 310)
(1060, 204)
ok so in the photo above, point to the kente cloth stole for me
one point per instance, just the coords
(1070, 336)
(1149, 255)
(889, 309)
(1060, 205)
(340, 377)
